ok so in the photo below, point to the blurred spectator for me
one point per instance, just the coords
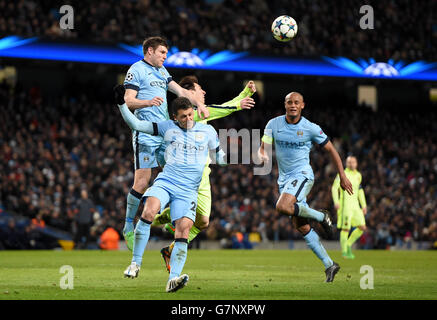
(109, 239)
(14, 238)
(240, 240)
(38, 221)
(254, 236)
(383, 237)
(35, 239)
(84, 218)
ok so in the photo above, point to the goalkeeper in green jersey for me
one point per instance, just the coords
(203, 210)
(351, 208)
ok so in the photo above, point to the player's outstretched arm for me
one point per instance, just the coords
(132, 121)
(344, 181)
(202, 111)
(224, 110)
(133, 103)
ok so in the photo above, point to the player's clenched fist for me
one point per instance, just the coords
(251, 86)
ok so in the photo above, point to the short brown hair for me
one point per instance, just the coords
(154, 42)
(180, 103)
(188, 82)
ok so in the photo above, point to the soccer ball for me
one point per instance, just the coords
(284, 28)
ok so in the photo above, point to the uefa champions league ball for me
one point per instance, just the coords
(381, 69)
(284, 28)
(184, 58)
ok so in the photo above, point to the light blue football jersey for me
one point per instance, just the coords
(150, 82)
(293, 143)
(187, 151)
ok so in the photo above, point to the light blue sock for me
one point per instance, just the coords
(305, 211)
(313, 241)
(132, 204)
(142, 233)
(177, 258)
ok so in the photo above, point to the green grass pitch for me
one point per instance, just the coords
(218, 274)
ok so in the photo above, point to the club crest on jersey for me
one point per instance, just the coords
(299, 132)
(198, 137)
(146, 158)
(163, 73)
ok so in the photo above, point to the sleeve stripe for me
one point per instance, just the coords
(217, 149)
(169, 79)
(324, 142)
(132, 86)
(223, 107)
(155, 128)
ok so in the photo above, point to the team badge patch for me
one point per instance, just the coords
(129, 76)
(299, 132)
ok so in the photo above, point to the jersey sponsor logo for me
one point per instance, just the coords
(161, 84)
(129, 76)
(289, 144)
(187, 146)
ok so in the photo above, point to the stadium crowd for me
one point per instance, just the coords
(326, 28)
(51, 149)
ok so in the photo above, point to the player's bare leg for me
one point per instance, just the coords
(313, 241)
